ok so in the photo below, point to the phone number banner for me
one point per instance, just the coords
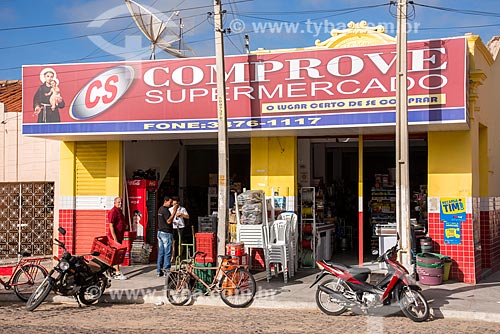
(349, 87)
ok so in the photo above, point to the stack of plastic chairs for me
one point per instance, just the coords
(278, 249)
(292, 220)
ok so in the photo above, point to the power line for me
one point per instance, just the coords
(96, 20)
(459, 11)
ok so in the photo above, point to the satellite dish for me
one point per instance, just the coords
(160, 33)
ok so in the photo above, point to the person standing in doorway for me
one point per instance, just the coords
(178, 224)
(117, 228)
(165, 235)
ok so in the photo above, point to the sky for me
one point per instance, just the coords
(78, 31)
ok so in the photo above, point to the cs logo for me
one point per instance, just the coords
(101, 92)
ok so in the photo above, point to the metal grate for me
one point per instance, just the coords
(30, 204)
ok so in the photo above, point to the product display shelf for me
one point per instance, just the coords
(382, 212)
(307, 239)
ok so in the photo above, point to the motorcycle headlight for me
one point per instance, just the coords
(64, 265)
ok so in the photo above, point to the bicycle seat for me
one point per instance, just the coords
(24, 254)
(226, 257)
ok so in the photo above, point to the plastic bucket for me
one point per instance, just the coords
(429, 258)
(426, 245)
(430, 280)
(438, 271)
(446, 269)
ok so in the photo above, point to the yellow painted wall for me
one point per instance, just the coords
(483, 162)
(450, 164)
(274, 164)
(67, 169)
(114, 170)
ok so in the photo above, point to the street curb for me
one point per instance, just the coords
(159, 299)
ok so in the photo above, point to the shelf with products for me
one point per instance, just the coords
(307, 239)
(382, 207)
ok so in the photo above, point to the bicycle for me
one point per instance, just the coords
(26, 276)
(235, 284)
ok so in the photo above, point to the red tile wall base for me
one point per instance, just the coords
(463, 256)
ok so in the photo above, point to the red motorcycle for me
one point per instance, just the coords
(348, 289)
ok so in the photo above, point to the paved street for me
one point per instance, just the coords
(135, 318)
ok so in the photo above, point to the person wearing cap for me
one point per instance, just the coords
(43, 110)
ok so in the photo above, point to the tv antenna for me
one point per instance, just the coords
(161, 33)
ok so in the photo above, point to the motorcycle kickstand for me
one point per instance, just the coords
(78, 301)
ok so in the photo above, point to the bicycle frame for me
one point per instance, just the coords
(19, 266)
(220, 272)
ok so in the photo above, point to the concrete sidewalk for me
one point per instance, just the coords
(450, 299)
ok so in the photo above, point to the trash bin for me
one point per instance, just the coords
(447, 268)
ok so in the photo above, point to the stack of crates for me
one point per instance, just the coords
(206, 243)
(207, 224)
(237, 251)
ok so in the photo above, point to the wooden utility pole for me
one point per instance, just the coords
(402, 147)
(223, 148)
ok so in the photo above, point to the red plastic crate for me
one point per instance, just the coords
(206, 243)
(111, 252)
(257, 259)
(6, 270)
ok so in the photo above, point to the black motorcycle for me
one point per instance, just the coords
(75, 276)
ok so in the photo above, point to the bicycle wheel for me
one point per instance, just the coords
(238, 288)
(177, 288)
(27, 279)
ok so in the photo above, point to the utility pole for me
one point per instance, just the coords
(402, 147)
(223, 148)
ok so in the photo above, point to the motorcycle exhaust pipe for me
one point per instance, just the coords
(334, 294)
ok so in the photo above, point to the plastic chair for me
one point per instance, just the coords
(279, 248)
(292, 219)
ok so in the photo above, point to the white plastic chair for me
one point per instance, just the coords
(293, 257)
(279, 248)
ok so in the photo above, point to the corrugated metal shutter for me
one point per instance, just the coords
(91, 168)
(91, 158)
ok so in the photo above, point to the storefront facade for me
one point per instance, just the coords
(281, 103)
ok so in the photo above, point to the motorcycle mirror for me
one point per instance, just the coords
(95, 253)
(62, 230)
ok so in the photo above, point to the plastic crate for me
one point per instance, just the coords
(111, 252)
(206, 243)
(206, 275)
(6, 270)
(207, 224)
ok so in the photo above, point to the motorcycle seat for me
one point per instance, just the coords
(361, 274)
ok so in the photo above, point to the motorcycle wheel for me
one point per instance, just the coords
(325, 302)
(40, 294)
(413, 304)
(177, 288)
(90, 294)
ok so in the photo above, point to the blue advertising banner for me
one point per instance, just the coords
(452, 215)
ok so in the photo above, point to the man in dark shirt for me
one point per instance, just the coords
(165, 235)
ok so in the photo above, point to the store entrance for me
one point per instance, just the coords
(379, 177)
(334, 174)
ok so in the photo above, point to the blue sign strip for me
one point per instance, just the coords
(273, 122)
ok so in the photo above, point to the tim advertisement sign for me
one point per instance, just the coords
(350, 87)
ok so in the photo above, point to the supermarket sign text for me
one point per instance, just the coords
(349, 87)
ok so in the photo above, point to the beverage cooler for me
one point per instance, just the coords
(142, 196)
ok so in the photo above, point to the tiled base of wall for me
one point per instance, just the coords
(463, 264)
(472, 261)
